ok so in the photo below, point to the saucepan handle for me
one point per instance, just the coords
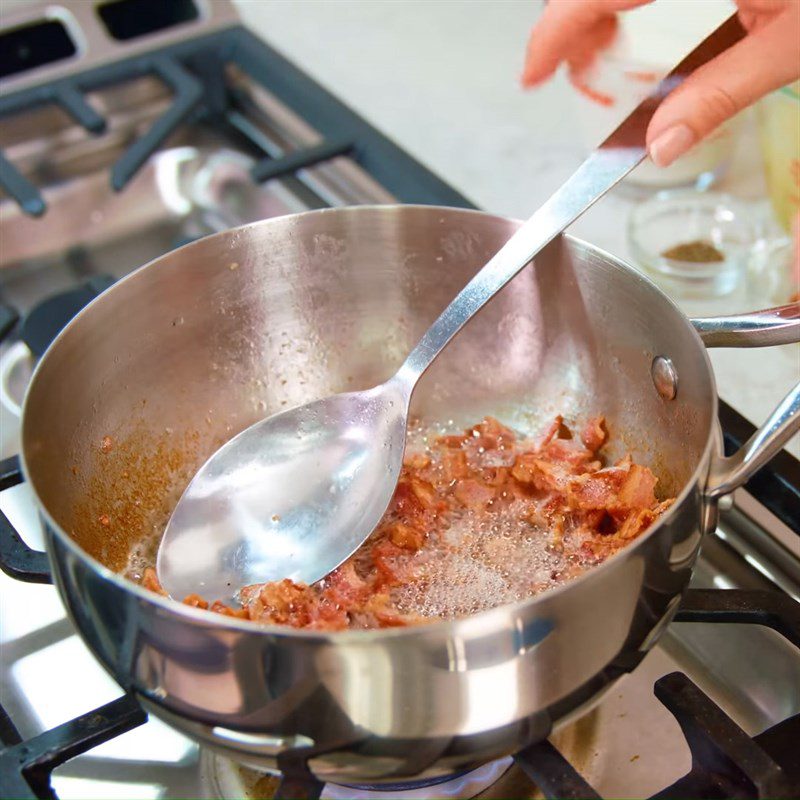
(730, 473)
(772, 326)
(759, 329)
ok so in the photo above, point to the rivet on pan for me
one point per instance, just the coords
(665, 377)
(725, 503)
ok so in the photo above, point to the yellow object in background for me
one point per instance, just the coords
(779, 126)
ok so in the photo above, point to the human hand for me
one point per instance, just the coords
(573, 31)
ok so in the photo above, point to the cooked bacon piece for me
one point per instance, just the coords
(453, 442)
(249, 594)
(195, 601)
(454, 465)
(636, 522)
(525, 468)
(544, 475)
(389, 619)
(417, 462)
(555, 486)
(472, 494)
(425, 493)
(490, 435)
(282, 603)
(416, 502)
(556, 427)
(568, 452)
(384, 556)
(594, 434)
(328, 617)
(625, 462)
(490, 427)
(220, 608)
(597, 490)
(150, 581)
(637, 489)
(343, 587)
(379, 607)
(557, 529)
(495, 476)
(406, 537)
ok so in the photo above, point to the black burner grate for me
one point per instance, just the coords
(193, 71)
(26, 766)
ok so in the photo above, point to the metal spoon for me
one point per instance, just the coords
(296, 494)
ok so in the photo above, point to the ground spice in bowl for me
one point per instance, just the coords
(698, 251)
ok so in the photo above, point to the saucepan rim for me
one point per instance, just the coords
(481, 619)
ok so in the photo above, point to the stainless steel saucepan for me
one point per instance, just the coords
(175, 359)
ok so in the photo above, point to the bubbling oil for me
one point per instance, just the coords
(482, 558)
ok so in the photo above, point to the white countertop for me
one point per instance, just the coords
(440, 78)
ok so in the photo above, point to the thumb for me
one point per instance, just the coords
(761, 62)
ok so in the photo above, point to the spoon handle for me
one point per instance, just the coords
(623, 150)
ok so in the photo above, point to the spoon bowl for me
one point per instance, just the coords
(263, 506)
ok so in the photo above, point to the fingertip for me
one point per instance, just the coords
(537, 71)
(671, 144)
(528, 81)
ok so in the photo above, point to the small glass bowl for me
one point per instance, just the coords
(674, 218)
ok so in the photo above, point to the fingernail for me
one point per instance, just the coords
(670, 144)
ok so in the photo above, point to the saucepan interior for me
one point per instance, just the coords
(183, 354)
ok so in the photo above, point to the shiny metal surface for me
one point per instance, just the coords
(297, 494)
(729, 473)
(665, 378)
(180, 356)
(774, 326)
(157, 761)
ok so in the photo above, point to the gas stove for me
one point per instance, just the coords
(134, 126)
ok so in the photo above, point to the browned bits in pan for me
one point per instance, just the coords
(161, 466)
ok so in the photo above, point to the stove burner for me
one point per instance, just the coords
(44, 322)
(463, 785)
(725, 761)
(229, 780)
(193, 71)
